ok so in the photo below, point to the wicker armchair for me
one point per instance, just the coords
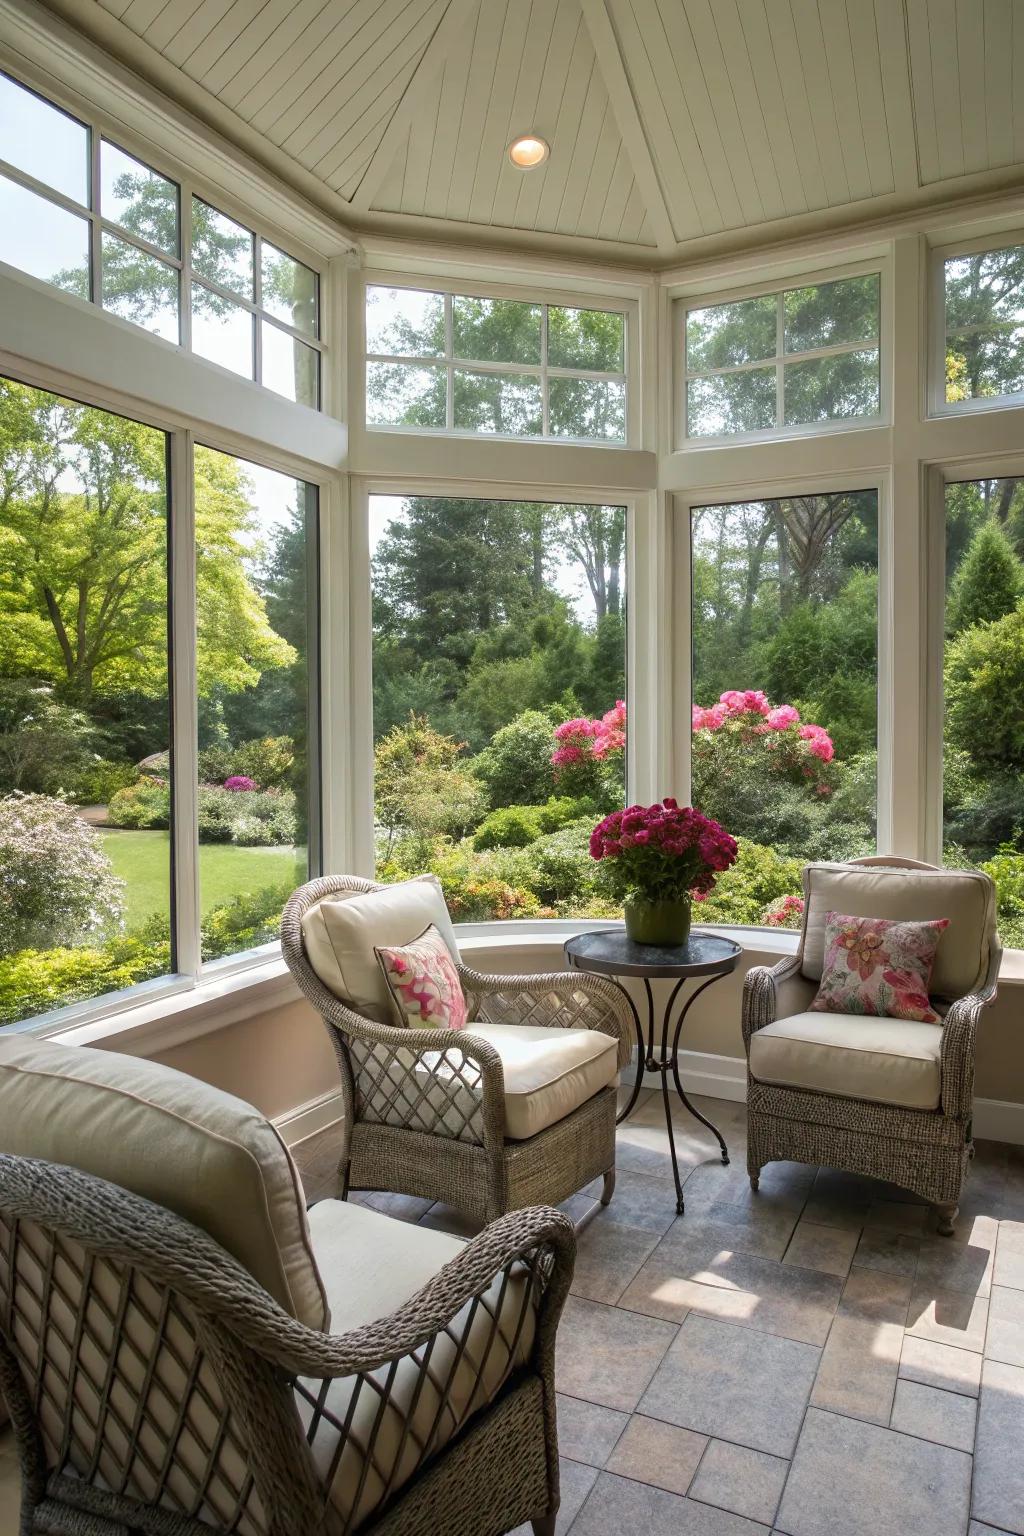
(427, 1113)
(155, 1386)
(806, 1099)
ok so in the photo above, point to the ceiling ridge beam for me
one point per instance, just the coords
(456, 16)
(620, 93)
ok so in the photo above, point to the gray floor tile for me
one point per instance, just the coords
(860, 1361)
(734, 1383)
(576, 1482)
(1009, 1265)
(652, 1451)
(998, 1466)
(892, 1252)
(955, 1266)
(850, 1478)
(736, 1478)
(606, 1355)
(617, 1505)
(1005, 1337)
(940, 1365)
(931, 1414)
(828, 1249)
(586, 1431)
(640, 1201)
(977, 1529)
(608, 1255)
(898, 1216)
(948, 1317)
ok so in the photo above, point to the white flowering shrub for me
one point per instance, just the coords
(57, 886)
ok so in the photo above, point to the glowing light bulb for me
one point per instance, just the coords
(528, 151)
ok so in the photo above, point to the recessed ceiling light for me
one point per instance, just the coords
(528, 151)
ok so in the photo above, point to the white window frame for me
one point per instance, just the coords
(938, 405)
(540, 295)
(180, 261)
(685, 303)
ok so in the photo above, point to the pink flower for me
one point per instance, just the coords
(783, 715)
(708, 719)
(239, 783)
(819, 742)
(750, 702)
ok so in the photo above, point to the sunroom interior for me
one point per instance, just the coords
(441, 443)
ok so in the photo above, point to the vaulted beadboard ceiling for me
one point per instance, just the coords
(675, 125)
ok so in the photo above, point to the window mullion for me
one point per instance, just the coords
(780, 343)
(184, 714)
(185, 249)
(449, 352)
(95, 227)
(545, 427)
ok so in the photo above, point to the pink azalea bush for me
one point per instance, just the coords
(661, 852)
(792, 748)
(783, 912)
(583, 740)
(240, 783)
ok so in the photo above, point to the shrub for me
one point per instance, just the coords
(245, 923)
(1007, 870)
(98, 781)
(759, 877)
(257, 819)
(784, 912)
(270, 760)
(513, 826)
(56, 883)
(985, 691)
(42, 741)
(989, 581)
(421, 788)
(34, 981)
(516, 768)
(558, 867)
(142, 806)
(560, 810)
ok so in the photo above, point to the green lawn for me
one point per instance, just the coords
(142, 859)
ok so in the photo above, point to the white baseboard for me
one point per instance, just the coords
(308, 1119)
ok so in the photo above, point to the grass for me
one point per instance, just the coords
(142, 861)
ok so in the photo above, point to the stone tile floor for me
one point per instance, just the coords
(812, 1360)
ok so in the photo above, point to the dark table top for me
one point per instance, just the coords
(610, 952)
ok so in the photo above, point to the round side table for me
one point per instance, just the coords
(705, 958)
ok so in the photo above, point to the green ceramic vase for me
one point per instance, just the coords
(658, 922)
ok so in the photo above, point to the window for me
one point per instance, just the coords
(506, 367)
(804, 356)
(983, 666)
(784, 605)
(234, 298)
(984, 325)
(498, 687)
(93, 844)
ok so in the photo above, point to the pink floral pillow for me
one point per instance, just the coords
(877, 967)
(424, 982)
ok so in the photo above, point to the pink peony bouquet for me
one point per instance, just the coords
(663, 852)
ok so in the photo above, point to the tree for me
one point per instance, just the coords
(981, 292)
(989, 582)
(984, 690)
(596, 538)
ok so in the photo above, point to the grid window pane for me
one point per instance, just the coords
(43, 141)
(401, 396)
(402, 322)
(288, 289)
(222, 249)
(985, 288)
(85, 777)
(139, 199)
(831, 388)
(255, 636)
(290, 368)
(495, 623)
(140, 287)
(726, 334)
(785, 624)
(587, 408)
(222, 331)
(43, 240)
(496, 330)
(498, 402)
(983, 364)
(731, 402)
(829, 314)
(586, 338)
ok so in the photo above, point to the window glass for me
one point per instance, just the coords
(832, 388)
(496, 330)
(43, 141)
(785, 623)
(984, 324)
(289, 289)
(402, 322)
(255, 637)
(586, 338)
(140, 287)
(140, 200)
(727, 334)
(222, 330)
(84, 717)
(221, 249)
(497, 402)
(42, 239)
(731, 402)
(398, 396)
(983, 757)
(290, 368)
(499, 713)
(828, 314)
(587, 408)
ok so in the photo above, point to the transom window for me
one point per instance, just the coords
(457, 362)
(984, 325)
(796, 358)
(78, 211)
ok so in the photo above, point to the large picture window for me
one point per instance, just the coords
(499, 698)
(785, 624)
(455, 362)
(984, 324)
(800, 357)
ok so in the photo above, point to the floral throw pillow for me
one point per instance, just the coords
(424, 982)
(877, 967)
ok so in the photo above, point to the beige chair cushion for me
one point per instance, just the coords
(341, 932)
(548, 1072)
(209, 1157)
(886, 1061)
(371, 1264)
(964, 896)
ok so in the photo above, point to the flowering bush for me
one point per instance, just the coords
(784, 912)
(56, 883)
(588, 754)
(748, 716)
(661, 852)
(239, 783)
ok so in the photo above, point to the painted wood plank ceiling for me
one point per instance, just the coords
(673, 124)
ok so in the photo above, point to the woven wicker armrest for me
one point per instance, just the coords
(556, 1000)
(959, 1034)
(773, 992)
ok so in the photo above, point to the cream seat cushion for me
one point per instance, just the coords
(207, 1156)
(341, 932)
(887, 1061)
(371, 1264)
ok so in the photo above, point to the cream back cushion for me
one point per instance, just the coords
(341, 932)
(963, 896)
(207, 1156)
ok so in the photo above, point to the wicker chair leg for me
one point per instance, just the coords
(545, 1526)
(755, 1180)
(608, 1187)
(947, 1214)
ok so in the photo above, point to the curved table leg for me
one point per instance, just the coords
(661, 1064)
(675, 1058)
(641, 1057)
